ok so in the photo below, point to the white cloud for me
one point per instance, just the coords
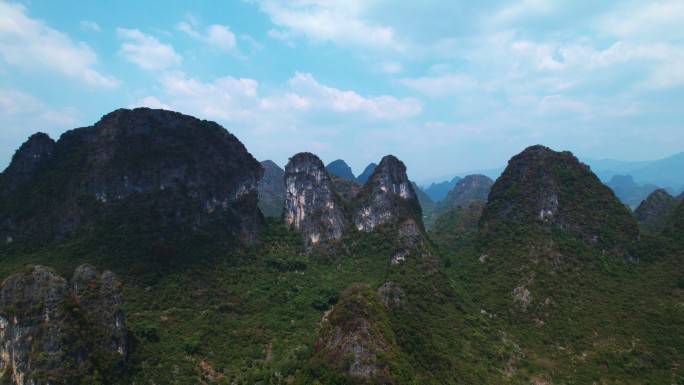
(16, 103)
(90, 26)
(22, 114)
(660, 20)
(150, 102)
(560, 105)
(31, 44)
(226, 98)
(324, 97)
(341, 22)
(391, 67)
(233, 99)
(146, 51)
(218, 36)
(441, 85)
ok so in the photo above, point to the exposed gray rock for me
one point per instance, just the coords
(100, 294)
(38, 147)
(311, 202)
(52, 332)
(391, 294)
(354, 336)
(409, 237)
(386, 196)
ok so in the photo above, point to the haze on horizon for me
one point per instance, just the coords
(444, 86)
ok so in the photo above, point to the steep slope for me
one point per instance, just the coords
(142, 171)
(357, 341)
(55, 332)
(272, 189)
(456, 228)
(367, 172)
(655, 211)
(387, 196)
(552, 262)
(546, 190)
(346, 188)
(426, 204)
(466, 191)
(341, 169)
(312, 205)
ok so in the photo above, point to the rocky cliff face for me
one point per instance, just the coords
(356, 339)
(655, 211)
(387, 196)
(311, 202)
(548, 189)
(37, 148)
(168, 168)
(53, 332)
(272, 190)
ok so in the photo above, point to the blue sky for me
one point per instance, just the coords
(446, 86)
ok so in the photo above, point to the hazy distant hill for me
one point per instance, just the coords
(666, 173)
(439, 191)
(629, 192)
(367, 172)
(341, 169)
(467, 190)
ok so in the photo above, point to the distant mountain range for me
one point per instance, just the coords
(632, 182)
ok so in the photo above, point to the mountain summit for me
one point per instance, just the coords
(545, 188)
(387, 194)
(146, 170)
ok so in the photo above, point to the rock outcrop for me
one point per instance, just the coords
(311, 202)
(387, 196)
(272, 190)
(171, 170)
(37, 148)
(341, 169)
(356, 338)
(367, 172)
(655, 211)
(53, 332)
(544, 188)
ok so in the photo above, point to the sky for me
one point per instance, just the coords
(446, 86)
